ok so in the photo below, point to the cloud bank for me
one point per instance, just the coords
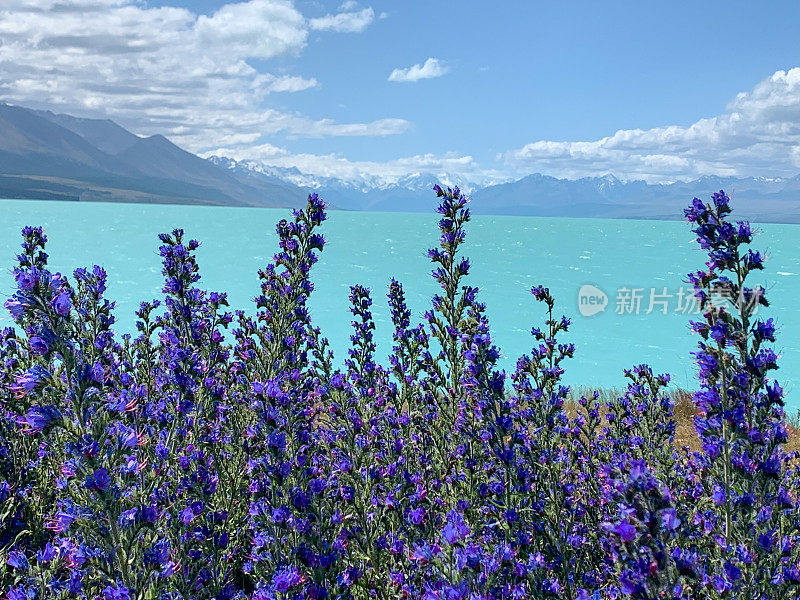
(758, 134)
(168, 70)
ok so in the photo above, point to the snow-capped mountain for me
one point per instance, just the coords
(760, 198)
(407, 193)
(362, 182)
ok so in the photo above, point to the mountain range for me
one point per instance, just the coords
(54, 156)
(49, 156)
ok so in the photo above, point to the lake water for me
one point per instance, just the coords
(649, 259)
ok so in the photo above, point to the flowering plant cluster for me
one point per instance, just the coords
(225, 455)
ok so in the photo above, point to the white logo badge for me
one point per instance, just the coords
(591, 300)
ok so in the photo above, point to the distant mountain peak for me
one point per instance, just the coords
(364, 182)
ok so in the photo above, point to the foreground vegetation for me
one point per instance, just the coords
(184, 463)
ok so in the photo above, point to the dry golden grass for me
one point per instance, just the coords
(684, 413)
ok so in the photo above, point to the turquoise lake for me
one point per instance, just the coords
(508, 254)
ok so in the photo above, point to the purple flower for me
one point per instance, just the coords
(765, 330)
(17, 560)
(116, 592)
(61, 521)
(99, 481)
(732, 572)
(47, 554)
(669, 519)
(416, 516)
(25, 281)
(767, 540)
(15, 307)
(287, 578)
(62, 304)
(149, 514)
(300, 499)
(455, 530)
(625, 531)
(39, 418)
(18, 593)
(30, 380)
(39, 345)
(187, 515)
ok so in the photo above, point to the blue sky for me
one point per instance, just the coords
(524, 86)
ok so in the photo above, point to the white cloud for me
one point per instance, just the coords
(255, 29)
(431, 68)
(261, 152)
(381, 127)
(344, 22)
(287, 83)
(758, 134)
(164, 70)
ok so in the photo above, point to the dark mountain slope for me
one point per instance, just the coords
(103, 134)
(58, 156)
(38, 143)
